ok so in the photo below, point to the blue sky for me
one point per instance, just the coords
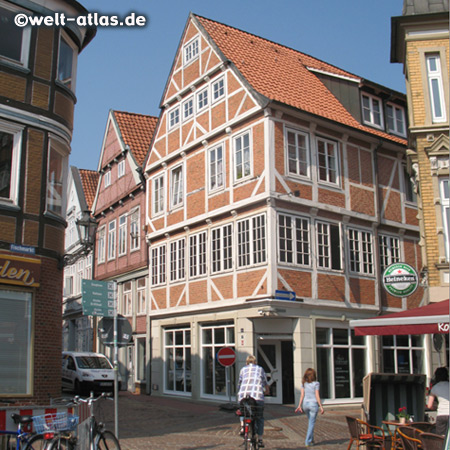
(126, 68)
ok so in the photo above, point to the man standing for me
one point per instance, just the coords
(253, 383)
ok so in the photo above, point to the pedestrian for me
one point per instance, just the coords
(253, 383)
(310, 402)
(440, 391)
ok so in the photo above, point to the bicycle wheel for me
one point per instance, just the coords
(36, 442)
(61, 443)
(106, 441)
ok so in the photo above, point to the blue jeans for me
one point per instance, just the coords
(311, 411)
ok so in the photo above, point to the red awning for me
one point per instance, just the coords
(428, 319)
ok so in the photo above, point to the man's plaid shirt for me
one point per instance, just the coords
(252, 381)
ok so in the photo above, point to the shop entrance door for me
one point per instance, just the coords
(269, 358)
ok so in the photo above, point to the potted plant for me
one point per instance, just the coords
(402, 415)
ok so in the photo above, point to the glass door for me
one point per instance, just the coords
(269, 358)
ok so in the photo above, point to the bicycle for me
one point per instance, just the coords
(249, 410)
(21, 439)
(99, 438)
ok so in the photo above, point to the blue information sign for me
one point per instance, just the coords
(285, 295)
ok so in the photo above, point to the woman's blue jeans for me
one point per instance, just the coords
(311, 411)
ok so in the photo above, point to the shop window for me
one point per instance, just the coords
(403, 354)
(177, 360)
(16, 359)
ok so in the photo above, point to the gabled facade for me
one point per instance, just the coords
(420, 41)
(273, 176)
(78, 332)
(121, 249)
(37, 100)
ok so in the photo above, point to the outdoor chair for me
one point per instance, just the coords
(364, 434)
(431, 441)
(409, 437)
(423, 426)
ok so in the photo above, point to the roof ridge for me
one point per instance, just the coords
(133, 113)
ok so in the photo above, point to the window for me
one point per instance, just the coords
(177, 187)
(242, 156)
(141, 359)
(297, 153)
(177, 260)
(409, 188)
(214, 381)
(396, 119)
(142, 295)
(174, 117)
(79, 277)
(108, 179)
(202, 99)
(372, 111)
(122, 235)
(135, 241)
(177, 360)
(251, 241)
(445, 204)
(112, 240)
(88, 268)
(190, 51)
(158, 195)
(127, 302)
(16, 353)
(121, 169)
(341, 362)
(435, 86)
(216, 168)
(328, 246)
(218, 89)
(197, 254)
(101, 244)
(294, 240)
(158, 265)
(66, 63)
(361, 254)
(14, 41)
(403, 354)
(188, 108)
(55, 180)
(222, 248)
(68, 286)
(10, 149)
(328, 161)
(389, 250)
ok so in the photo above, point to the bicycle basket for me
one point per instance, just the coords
(62, 421)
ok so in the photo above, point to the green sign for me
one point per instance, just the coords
(400, 279)
(98, 298)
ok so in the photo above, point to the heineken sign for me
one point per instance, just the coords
(400, 279)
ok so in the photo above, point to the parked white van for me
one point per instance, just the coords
(83, 372)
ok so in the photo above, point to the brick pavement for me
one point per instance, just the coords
(147, 422)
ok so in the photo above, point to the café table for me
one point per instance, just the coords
(391, 426)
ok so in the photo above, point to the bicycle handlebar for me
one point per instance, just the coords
(91, 399)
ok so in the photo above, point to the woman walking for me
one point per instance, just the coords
(310, 402)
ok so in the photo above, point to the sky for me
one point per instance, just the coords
(126, 69)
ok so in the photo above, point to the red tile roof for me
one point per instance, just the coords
(281, 74)
(89, 181)
(137, 132)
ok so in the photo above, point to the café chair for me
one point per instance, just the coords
(409, 437)
(423, 426)
(364, 434)
(431, 441)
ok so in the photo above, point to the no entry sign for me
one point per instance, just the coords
(226, 356)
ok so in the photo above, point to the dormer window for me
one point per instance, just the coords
(396, 119)
(372, 111)
(190, 51)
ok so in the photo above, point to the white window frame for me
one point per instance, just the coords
(370, 109)
(291, 249)
(390, 250)
(112, 237)
(396, 118)
(325, 246)
(121, 169)
(188, 108)
(360, 251)
(122, 244)
(107, 179)
(218, 89)
(135, 220)
(158, 265)
(191, 51)
(174, 118)
(158, 195)
(127, 298)
(251, 241)
(444, 189)
(176, 187)
(197, 254)
(65, 37)
(297, 160)
(177, 260)
(59, 209)
(216, 168)
(16, 132)
(141, 286)
(202, 99)
(435, 86)
(101, 244)
(331, 153)
(246, 160)
(222, 249)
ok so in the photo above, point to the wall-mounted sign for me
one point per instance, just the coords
(400, 279)
(19, 270)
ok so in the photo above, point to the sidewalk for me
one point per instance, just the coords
(147, 422)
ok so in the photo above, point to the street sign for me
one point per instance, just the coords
(106, 331)
(98, 298)
(285, 295)
(226, 356)
(400, 279)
